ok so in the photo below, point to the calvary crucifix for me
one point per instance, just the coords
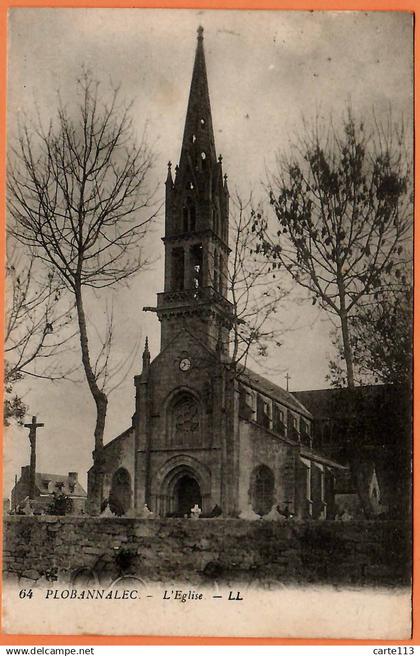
(32, 470)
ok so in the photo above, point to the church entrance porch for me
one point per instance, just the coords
(187, 493)
(180, 483)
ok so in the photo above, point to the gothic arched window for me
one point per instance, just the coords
(185, 420)
(185, 219)
(192, 217)
(216, 223)
(262, 490)
(189, 216)
(177, 264)
(220, 282)
(196, 261)
(216, 271)
(120, 493)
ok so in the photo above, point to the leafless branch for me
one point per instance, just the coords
(342, 200)
(80, 200)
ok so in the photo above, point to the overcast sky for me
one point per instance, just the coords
(266, 70)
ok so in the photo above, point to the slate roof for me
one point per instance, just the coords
(322, 458)
(270, 389)
(363, 400)
(122, 435)
(58, 478)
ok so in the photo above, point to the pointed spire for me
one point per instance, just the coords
(225, 184)
(146, 356)
(169, 180)
(198, 137)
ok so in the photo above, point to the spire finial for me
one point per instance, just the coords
(146, 355)
(200, 31)
(225, 184)
(169, 180)
(220, 159)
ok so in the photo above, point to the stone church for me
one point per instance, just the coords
(203, 431)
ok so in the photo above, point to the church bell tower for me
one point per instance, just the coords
(196, 228)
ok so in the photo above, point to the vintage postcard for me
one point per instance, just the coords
(208, 333)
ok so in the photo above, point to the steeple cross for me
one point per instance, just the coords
(32, 469)
(287, 381)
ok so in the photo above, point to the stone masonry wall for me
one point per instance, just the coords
(82, 550)
(259, 447)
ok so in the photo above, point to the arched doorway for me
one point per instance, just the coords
(187, 493)
(120, 494)
(179, 484)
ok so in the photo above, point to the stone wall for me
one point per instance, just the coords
(79, 550)
(119, 453)
(259, 446)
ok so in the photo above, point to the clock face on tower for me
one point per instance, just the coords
(185, 364)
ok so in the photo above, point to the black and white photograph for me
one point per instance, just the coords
(209, 323)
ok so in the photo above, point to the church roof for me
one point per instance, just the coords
(364, 399)
(316, 456)
(114, 440)
(267, 387)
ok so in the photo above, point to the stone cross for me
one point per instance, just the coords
(195, 511)
(32, 469)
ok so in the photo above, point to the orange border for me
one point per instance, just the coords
(372, 5)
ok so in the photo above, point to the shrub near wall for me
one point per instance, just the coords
(98, 550)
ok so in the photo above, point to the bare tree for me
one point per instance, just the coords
(80, 201)
(37, 328)
(344, 212)
(381, 337)
(253, 289)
